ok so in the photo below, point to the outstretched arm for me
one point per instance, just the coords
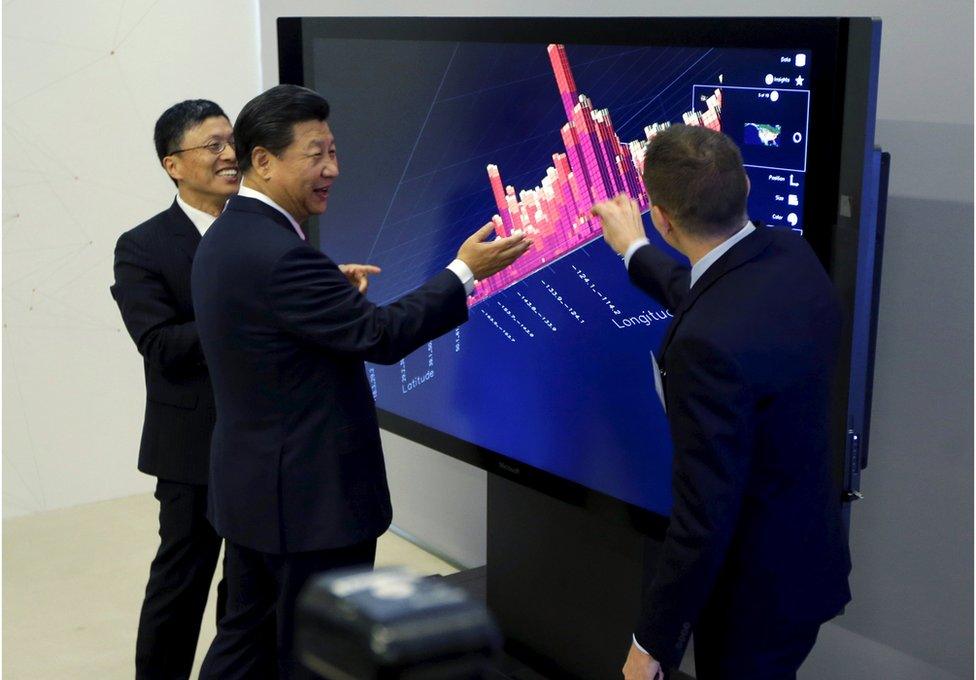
(654, 272)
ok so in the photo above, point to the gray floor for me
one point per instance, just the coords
(73, 581)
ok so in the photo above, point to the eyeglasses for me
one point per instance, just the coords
(216, 147)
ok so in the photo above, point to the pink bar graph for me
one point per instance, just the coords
(594, 166)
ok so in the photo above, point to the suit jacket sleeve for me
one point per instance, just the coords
(314, 300)
(149, 311)
(712, 423)
(659, 275)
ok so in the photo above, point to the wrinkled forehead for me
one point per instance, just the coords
(311, 135)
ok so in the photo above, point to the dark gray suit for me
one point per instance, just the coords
(152, 289)
(756, 554)
(298, 482)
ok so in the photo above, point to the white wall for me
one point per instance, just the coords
(79, 168)
(83, 84)
(912, 537)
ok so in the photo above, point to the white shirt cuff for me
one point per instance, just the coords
(638, 645)
(464, 273)
(631, 249)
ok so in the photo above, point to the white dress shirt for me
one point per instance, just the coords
(699, 267)
(248, 192)
(458, 267)
(201, 220)
(464, 273)
(632, 248)
(718, 251)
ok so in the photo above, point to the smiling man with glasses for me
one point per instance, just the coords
(195, 145)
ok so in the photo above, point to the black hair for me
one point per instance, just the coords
(177, 119)
(268, 120)
(696, 175)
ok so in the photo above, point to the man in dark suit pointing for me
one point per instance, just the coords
(297, 482)
(755, 557)
(195, 145)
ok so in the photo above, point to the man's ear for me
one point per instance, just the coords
(661, 220)
(262, 161)
(748, 185)
(172, 167)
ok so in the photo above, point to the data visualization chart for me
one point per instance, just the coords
(435, 139)
(595, 166)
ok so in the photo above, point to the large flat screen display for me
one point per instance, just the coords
(437, 136)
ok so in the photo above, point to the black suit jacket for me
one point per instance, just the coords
(152, 289)
(296, 462)
(747, 365)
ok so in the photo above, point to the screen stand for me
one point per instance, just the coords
(563, 584)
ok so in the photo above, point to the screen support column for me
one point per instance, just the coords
(563, 584)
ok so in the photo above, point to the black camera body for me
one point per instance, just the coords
(390, 623)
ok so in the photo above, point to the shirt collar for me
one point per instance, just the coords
(201, 220)
(718, 251)
(248, 192)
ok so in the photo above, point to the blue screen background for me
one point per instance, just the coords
(554, 371)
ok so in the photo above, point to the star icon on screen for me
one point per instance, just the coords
(799, 81)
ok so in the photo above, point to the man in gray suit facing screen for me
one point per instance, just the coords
(755, 557)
